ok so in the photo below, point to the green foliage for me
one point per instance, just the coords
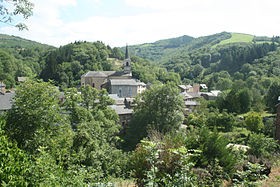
(8, 69)
(221, 121)
(272, 96)
(61, 155)
(17, 8)
(214, 148)
(44, 171)
(154, 51)
(215, 157)
(95, 137)
(238, 100)
(249, 176)
(163, 162)
(35, 116)
(254, 122)
(159, 108)
(19, 58)
(66, 64)
(150, 73)
(196, 119)
(262, 146)
(14, 163)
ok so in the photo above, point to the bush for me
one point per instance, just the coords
(163, 162)
(262, 146)
(254, 122)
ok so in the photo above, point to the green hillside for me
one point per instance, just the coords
(20, 57)
(161, 51)
(154, 51)
(7, 41)
(238, 38)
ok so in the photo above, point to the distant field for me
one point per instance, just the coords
(237, 37)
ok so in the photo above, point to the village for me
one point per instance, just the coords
(122, 88)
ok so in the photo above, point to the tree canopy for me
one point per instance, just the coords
(159, 108)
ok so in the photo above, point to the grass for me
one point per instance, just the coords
(274, 176)
(236, 38)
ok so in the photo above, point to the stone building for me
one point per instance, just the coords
(116, 82)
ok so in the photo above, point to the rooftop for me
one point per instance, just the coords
(98, 73)
(125, 82)
(121, 109)
(6, 101)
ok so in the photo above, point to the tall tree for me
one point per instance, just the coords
(96, 129)
(272, 95)
(160, 109)
(36, 118)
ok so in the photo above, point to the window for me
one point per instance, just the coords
(129, 92)
(120, 92)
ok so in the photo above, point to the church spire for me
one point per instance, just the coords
(127, 62)
(126, 52)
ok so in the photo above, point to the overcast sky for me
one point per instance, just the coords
(121, 22)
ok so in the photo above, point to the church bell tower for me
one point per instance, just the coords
(127, 62)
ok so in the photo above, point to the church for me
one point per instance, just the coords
(115, 82)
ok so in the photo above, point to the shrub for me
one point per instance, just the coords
(262, 146)
(163, 162)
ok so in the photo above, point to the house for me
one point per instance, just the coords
(190, 102)
(125, 115)
(6, 101)
(2, 87)
(116, 82)
(124, 110)
(203, 86)
(22, 79)
(212, 95)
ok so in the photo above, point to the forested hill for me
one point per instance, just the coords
(7, 41)
(65, 65)
(154, 51)
(162, 50)
(20, 57)
(217, 60)
(199, 59)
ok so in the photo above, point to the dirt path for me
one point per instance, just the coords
(274, 178)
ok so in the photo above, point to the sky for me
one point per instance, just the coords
(120, 22)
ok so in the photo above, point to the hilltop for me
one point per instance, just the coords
(7, 41)
(181, 59)
(162, 49)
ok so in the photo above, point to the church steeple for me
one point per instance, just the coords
(126, 52)
(127, 62)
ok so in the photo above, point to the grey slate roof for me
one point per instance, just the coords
(120, 109)
(105, 74)
(6, 101)
(191, 103)
(120, 100)
(99, 73)
(123, 82)
(186, 95)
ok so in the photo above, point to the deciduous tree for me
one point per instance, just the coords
(160, 109)
(11, 8)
